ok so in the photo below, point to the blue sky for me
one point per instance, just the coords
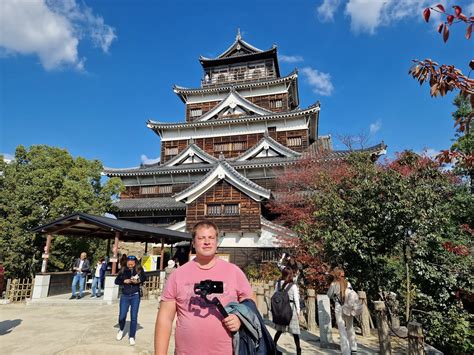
(86, 75)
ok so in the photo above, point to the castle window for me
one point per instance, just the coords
(156, 190)
(226, 209)
(171, 150)
(196, 112)
(294, 141)
(229, 147)
(276, 103)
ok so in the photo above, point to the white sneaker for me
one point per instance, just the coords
(132, 341)
(120, 335)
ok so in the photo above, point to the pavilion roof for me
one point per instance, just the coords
(86, 225)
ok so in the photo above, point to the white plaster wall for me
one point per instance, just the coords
(289, 124)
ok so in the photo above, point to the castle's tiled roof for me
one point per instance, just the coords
(237, 120)
(149, 204)
(226, 87)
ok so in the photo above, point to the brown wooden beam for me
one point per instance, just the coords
(69, 225)
(162, 254)
(115, 250)
(44, 266)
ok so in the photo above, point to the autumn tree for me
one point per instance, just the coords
(39, 185)
(443, 78)
(394, 226)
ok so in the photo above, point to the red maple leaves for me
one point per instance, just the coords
(456, 17)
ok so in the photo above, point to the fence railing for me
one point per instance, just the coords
(151, 287)
(19, 290)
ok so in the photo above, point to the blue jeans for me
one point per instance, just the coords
(96, 284)
(78, 278)
(132, 301)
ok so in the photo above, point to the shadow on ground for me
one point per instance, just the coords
(7, 326)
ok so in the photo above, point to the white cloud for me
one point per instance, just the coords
(368, 15)
(290, 58)
(430, 152)
(148, 161)
(327, 9)
(7, 157)
(52, 30)
(320, 82)
(375, 127)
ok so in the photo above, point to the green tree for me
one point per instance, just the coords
(394, 226)
(41, 184)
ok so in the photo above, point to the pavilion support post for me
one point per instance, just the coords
(108, 248)
(162, 254)
(115, 258)
(146, 247)
(44, 266)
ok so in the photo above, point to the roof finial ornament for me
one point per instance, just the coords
(191, 141)
(239, 36)
(221, 156)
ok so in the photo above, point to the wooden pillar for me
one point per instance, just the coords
(146, 247)
(108, 248)
(162, 254)
(115, 258)
(416, 343)
(260, 299)
(365, 316)
(44, 266)
(382, 328)
(266, 297)
(312, 326)
(271, 287)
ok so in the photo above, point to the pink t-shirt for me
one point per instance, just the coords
(199, 328)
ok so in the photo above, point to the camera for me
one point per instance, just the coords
(207, 287)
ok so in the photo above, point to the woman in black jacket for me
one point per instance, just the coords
(130, 277)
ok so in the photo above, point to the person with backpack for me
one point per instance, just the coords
(345, 307)
(285, 304)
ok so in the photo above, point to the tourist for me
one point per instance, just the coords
(200, 329)
(337, 293)
(99, 275)
(286, 284)
(80, 269)
(130, 277)
(169, 269)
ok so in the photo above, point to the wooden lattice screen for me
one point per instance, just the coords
(19, 289)
(152, 286)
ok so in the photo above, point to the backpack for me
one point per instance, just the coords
(352, 305)
(281, 307)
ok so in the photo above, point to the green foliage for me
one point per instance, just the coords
(264, 272)
(464, 142)
(377, 219)
(41, 184)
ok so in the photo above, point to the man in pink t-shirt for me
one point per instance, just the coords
(200, 328)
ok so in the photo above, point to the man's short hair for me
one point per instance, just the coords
(204, 224)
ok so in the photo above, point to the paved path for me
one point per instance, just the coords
(88, 327)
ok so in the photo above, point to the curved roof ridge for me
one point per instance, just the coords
(191, 146)
(222, 171)
(280, 148)
(228, 102)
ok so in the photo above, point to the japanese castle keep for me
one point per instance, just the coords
(243, 126)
